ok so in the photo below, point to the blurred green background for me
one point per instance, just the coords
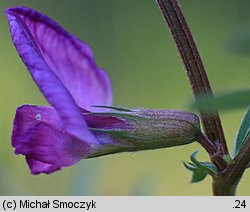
(132, 42)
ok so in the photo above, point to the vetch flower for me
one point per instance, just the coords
(60, 135)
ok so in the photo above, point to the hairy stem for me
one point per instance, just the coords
(194, 67)
(206, 144)
(215, 154)
(236, 169)
(226, 183)
(222, 188)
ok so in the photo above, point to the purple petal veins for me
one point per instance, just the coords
(69, 58)
(62, 66)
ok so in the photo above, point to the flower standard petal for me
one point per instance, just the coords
(48, 82)
(70, 59)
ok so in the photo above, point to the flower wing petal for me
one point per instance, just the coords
(70, 59)
(37, 167)
(48, 82)
(39, 135)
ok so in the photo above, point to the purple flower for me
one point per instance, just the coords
(63, 67)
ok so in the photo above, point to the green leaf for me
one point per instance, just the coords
(198, 174)
(200, 169)
(206, 166)
(243, 133)
(233, 100)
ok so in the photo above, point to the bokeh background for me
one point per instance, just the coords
(132, 42)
